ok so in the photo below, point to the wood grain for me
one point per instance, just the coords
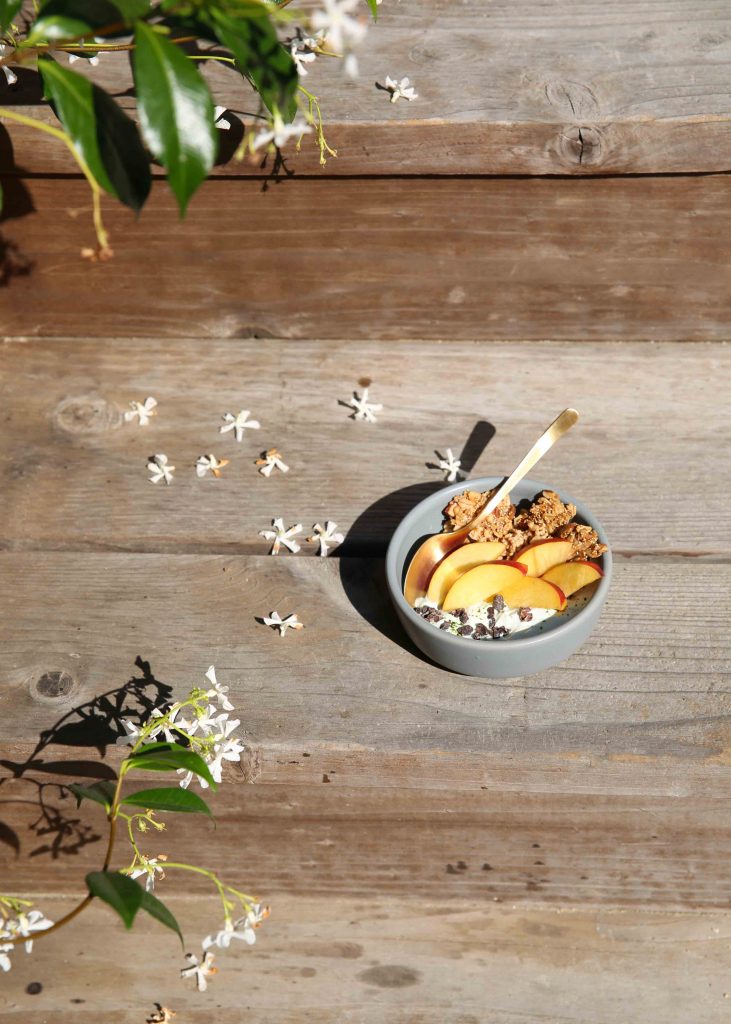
(650, 687)
(612, 259)
(73, 474)
(512, 87)
(390, 962)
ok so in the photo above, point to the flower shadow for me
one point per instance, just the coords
(94, 724)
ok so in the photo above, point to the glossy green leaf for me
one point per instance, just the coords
(68, 19)
(166, 757)
(168, 798)
(126, 897)
(175, 110)
(262, 58)
(100, 792)
(8, 11)
(104, 136)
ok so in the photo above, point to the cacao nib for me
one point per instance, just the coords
(498, 603)
(525, 614)
(464, 630)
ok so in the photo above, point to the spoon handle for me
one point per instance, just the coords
(547, 439)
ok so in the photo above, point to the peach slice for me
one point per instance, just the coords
(481, 583)
(458, 562)
(531, 592)
(572, 576)
(542, 555)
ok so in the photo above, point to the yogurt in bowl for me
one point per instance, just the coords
(514, 600)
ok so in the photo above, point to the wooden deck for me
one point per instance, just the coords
(437, 849)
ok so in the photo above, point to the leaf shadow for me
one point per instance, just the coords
(95, 724)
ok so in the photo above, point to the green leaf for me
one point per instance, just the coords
(8, 10)
(171, 798)
(157, 909)
(105, 137)
(165, 757)
(373, 4)
(68, 19)
(125, 896)
(100, 792)
(175, 110)
(262, 58)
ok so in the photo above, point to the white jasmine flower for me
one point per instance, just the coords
(239, 424)
(5, 948)
(158, 466)
(144, 410)
(303, 49)
(167, 730)
(242, 929)
(271, 460)
(363, 409)
(275, 620)
(209, 463)
(401, 90)
(280, 133)
(131, 733)
(326, 536)
(219, 120)
(150, 868)
(450, 466)
(338, 26)
(11, 78)
(200, 970)
(25, 925)
(218, 691)
(281, 537)
(210, 720)
(230, 750)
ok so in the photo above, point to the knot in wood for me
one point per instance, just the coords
(581, 145)
(86, 414)
(52, 686)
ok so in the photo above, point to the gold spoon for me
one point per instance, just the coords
(435, 548)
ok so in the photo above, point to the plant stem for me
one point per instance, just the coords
(57, 133)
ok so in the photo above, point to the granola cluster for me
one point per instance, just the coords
(547, 517)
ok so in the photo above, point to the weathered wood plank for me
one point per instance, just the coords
(512, 87)
(73, 474)
(390, 962)
(500, 259)
(650, 684)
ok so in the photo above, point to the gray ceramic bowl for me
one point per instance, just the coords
(531, 651)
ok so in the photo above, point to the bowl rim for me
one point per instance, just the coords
(516, 643)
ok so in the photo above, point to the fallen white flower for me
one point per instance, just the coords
(144, 410)
(363, 409)
(239, 424)
(326, 536)
(401, 90)
(275, 620)
(450, 466)
(158, 466)
(281, 537)
(209, 463)
(200, 970)
(271, 460)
